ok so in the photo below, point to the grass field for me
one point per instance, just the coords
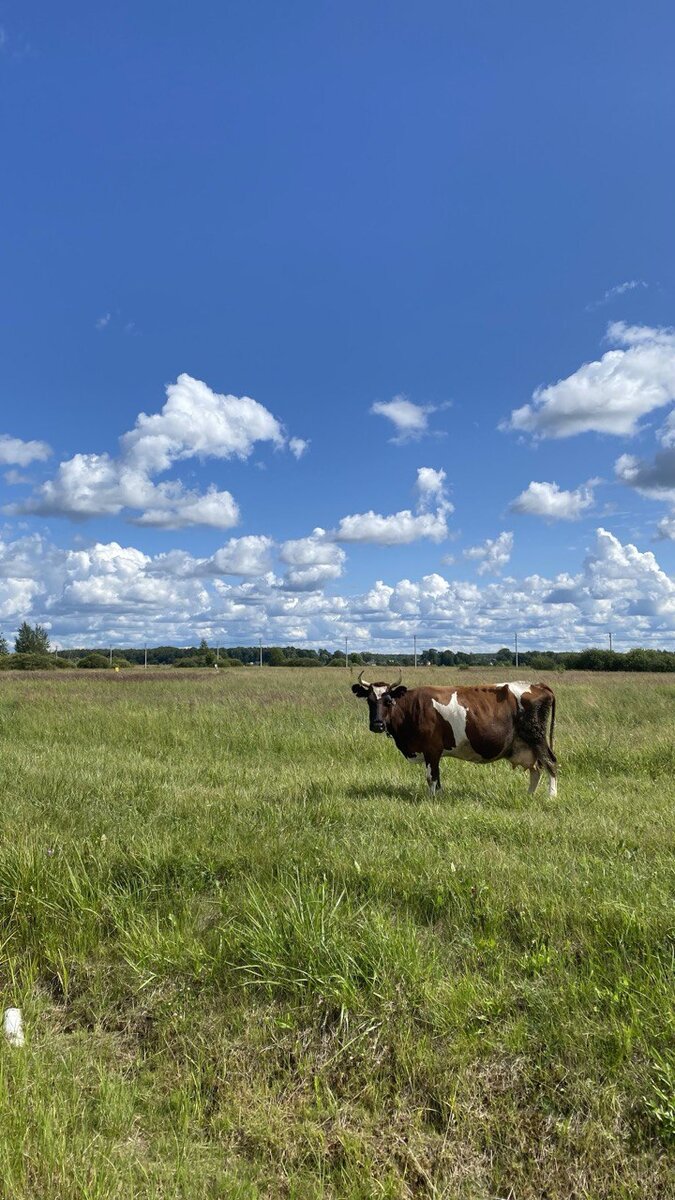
(255, 960)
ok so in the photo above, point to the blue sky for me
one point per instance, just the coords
(322, 247)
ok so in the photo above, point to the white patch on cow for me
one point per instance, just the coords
(552, 786)
(517, 688)
(432, 783)
(455, 714)
(417, 758)
(379, 691)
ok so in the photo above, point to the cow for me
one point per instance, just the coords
(476, 724)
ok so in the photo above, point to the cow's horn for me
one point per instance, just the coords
(362, 681)
(395, 685)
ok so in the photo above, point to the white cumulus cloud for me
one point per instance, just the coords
(628, 576)
(655, 479)
(401, 528)
(397, 529)
(311, 561)
(113, 594)
(195, 422)
(243, 556)
(609, 395)
(553, 502)
(410, 421)
(198, 422)
(493, 554)
(15, 452)
(171, 506)
(666, 528)
(430, 486)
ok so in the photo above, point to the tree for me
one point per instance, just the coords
(504, 656)
(276, 657)
(31, 639)
(206, 656)
(4, 648)
(95, 662)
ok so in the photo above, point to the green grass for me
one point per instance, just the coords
(255, 960)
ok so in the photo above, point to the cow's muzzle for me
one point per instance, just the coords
(377, 727)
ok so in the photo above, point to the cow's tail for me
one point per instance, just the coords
(550, 736)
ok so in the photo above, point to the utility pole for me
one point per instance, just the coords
(610, 643)
(217, 653)
(145, 657)
(415, 649)
(346, 654)
(111, 656)
(516, 649)
(260, 662)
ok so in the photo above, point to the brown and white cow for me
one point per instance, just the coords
(477, 724)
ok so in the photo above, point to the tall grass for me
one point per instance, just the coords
(255, 960)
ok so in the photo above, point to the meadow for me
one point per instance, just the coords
(255, 960)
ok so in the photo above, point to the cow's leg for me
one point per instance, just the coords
(542, 760)
(535, 776)
(433, 774)
(547, 761)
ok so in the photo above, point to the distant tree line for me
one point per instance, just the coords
(32, 651)
(592, 659)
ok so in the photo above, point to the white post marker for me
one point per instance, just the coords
(12, 1026)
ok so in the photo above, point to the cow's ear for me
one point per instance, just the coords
(359, 690)
(397, 692)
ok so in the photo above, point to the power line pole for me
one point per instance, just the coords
(415, 649)
(260, 661)
(111, 656)
(346, 654)
(516, 649)
(610, 643)
(145, 657)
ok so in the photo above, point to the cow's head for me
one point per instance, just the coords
(381, 699)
